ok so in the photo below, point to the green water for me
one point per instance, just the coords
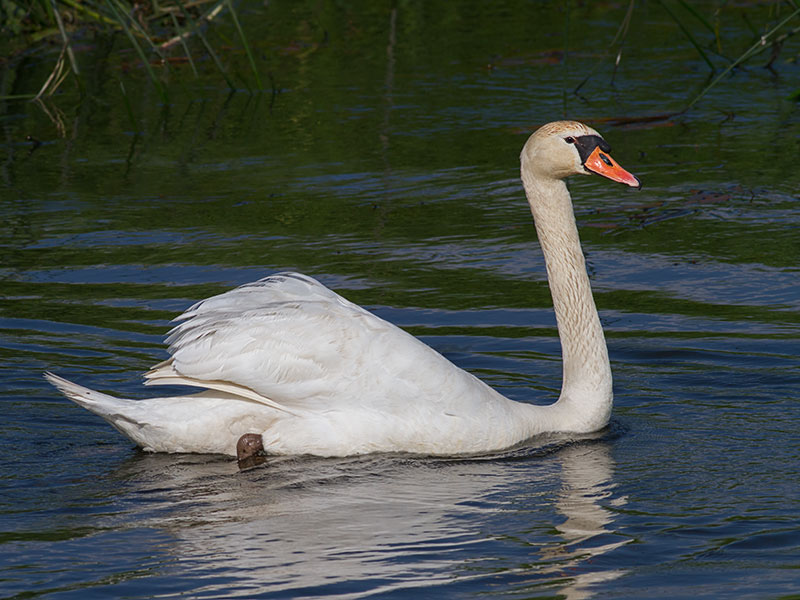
(382, 158)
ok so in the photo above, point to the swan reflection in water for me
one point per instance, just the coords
(358, 526)
(586, 471)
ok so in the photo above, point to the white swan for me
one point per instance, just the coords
(311, 373)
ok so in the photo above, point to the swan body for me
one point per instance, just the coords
(313, 373)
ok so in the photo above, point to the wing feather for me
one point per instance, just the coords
(289, 342)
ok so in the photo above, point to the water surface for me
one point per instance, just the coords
(387, 166)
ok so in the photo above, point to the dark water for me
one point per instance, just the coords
(385, 164)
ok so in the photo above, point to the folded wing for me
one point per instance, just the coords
(289, 342)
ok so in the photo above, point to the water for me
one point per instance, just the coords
(387, 167)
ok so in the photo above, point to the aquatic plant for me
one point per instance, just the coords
(151, 27)
(163, 33)
(705, 36)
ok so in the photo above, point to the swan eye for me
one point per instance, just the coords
(569, 139)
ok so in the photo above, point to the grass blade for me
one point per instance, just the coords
(64, 37)
(56, 77)
(754, 49)
(128, 107)
(689, 8)
(688, 34)
(137, 28)
(197, 32)
(89, 12)
(246, 45)
(132, 38)
(182, 39)
(622, 31)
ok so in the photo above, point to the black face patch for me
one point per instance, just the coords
(587, 143)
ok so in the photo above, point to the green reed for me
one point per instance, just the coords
(779, 22)
(144, 25)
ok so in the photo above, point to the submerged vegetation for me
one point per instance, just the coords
(160, 34)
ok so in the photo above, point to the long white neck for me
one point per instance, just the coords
(586, 392)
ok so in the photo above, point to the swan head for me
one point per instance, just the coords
(563, 148)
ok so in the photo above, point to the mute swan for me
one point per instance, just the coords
(288, 360)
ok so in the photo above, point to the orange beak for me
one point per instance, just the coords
(602, 164)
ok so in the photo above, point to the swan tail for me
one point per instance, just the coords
(207, 423)
(120, 413)
(96, 402)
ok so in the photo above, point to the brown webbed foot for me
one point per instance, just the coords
(250, 450)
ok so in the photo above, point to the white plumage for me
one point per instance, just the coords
(287, 358)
